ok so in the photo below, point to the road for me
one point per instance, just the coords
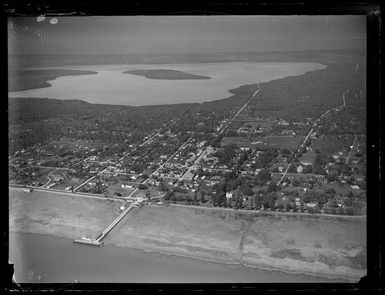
(172, 156)
(241, 109)
(193, 166)
(121, 159)
(268, 212)
(160, 167)
(310, 132)
(189, 169)
(79, 195)
(348, 157)
(223, 129)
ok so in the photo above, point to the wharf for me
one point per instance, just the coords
(89, 242)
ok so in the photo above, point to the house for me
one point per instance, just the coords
(311, 205)
(229, 195)
(124, 186)
(355, 187)
(244, 149)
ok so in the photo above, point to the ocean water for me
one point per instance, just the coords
(47, 259)
(112, 86)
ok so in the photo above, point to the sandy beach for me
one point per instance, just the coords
(312, 245)
(58, 214)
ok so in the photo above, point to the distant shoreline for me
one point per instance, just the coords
(132, 90)
(35, 79)
(165, 74)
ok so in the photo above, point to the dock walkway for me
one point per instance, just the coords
(98, 240)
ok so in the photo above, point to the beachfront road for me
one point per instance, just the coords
(68, 193)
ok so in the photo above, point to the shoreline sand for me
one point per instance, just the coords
(261, 242)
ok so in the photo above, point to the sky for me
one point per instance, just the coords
(183, 34)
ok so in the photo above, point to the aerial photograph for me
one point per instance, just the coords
(187, 149)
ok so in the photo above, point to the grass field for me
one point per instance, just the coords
(289, 142)
(309, 157)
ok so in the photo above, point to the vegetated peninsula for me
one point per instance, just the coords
(20, 80)
(164, 74)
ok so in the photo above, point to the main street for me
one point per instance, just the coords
(241, 109)
(120, 160)
(160, 167)
(350, 153)
(204, 152)
(310, 132)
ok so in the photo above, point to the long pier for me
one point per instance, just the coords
(98, 240)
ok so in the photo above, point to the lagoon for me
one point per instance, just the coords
(112, 86)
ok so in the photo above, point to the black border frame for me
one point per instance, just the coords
(373, 10)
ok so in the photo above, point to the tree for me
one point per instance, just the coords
(287, 206)
(246, 189)
(285, 152)
(142, 186)
(272, 187)
(331, 177)
(258, 199)
(330, 191)
(188, 199)
(264, 176)
(348, 202)
(195, 202)
(350, 195)
(169, 195)
(180, 198)
(307, 169)
(203, 199)
(272, 199)
(296, 182)
(349, 211)
(281, 206)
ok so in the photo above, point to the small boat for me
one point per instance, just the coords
(85, 238)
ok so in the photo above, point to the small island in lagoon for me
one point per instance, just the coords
(164, 74)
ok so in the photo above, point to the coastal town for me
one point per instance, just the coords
(240, 161)
(199, 149)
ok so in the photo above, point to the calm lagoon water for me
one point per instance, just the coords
(112, 86)
(47, 259)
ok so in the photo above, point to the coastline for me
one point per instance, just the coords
(308, 245)
(270, 272)
(159, 268)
